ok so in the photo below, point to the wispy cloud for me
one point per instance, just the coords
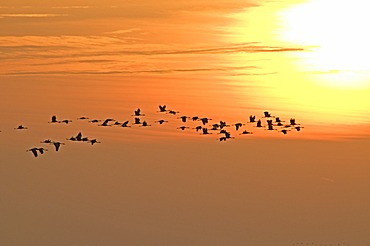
(30, 15)
(71, 7)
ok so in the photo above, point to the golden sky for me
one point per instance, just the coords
(159, 185)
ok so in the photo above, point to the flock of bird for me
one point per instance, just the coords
(204, 127)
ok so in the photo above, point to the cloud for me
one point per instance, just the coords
(30, 15)
(71, 7)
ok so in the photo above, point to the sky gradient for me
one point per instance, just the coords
(159, 185)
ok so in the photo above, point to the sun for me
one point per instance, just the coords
(335, 34)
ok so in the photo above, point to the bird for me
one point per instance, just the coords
(64, 121)
(137, 121)
(57, 145)
(105, 123)
(252, 118)
(85, 139)
(145, 123)
(182, 127)
(270, 128)
(34, 151)
(205, 120)
(138, 112)
(125, 124)
(79, 137)
(198, 128)
(161, 121)
(245, 132)
(292, 122)
(53, 119)
(83, 118)
(266, 114)
(94, 121)
(259, 123)
(298, 128)
(194, 118)
(238, 125)
(173, 112)
(93, 141)
(20, 127)
(284, 131)
(223, 124)
(222, 139)
(162, 108)
(277, 120)
(205, 131)
(183, 118)
(47, 141)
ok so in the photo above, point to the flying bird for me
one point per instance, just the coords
(34, 151)
(93, 141)
(182, 127)
(53, 119)
(65, 121)
(238, 125)
(205, 120)
(138, 112)
(57, 145)
(105, 123)
(161, 121)
(20, 127)
(184, 118)
(162, 108)
(125, 124)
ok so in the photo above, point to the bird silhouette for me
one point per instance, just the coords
(259, 123)
(238, 125)
(182, 127)
(173, 112)
(198, 128)
(20, 127)
(106, 122)
(205, 131)
(53, 119)
(83, 118)
(94, 121)
(137, 121)
(93, 141)
(34, 151)
(125, 124)
(298, 128)
(252, 118)
(266, 114)
(292, 122)
(246, 132)
(47, 141)
(57, 145)
(162, 108)
(64, 121)
(137, 112)
(194, 118)
(184, 118)
(223, 124)
(144, 124)
(161, 121)
(205, 120)
(284, 131)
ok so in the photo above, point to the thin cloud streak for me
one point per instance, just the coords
(31, 15)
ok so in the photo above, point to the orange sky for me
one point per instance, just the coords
(159, 185)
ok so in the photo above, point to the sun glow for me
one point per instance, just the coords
(335, 33)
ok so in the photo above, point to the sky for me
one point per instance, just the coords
(160, 185)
